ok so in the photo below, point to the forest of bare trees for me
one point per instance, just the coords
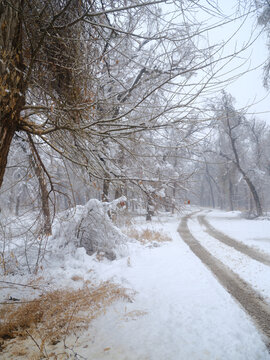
(103, 99)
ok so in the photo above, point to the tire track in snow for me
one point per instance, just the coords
(225, 239)
(252, 303)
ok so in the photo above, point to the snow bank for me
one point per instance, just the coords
(90, 227)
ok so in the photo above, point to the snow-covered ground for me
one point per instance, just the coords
(179, 311)
(255, 233)
(252, 271)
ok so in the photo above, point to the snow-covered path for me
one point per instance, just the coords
(255, 273)
(180, 310)
(243, 292)
(250, 251)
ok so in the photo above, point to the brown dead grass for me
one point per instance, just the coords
(77, 278)
(147, 236)
(58, 313)
(134, 315)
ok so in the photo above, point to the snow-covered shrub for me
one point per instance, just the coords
(89, 226)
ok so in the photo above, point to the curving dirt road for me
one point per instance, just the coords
(251, 301)
(251, 252)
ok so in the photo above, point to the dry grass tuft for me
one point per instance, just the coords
(134, 315)
(77, 278)
(147, 236)
(57, 314)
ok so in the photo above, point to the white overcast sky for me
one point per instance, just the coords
(248, 89)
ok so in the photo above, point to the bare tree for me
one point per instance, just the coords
(92, 80)
(233, 138)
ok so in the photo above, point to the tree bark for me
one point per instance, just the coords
(39, 172)
(254, 195)
(11, 76)
(105, 192)
(38, 167)
(7, 132)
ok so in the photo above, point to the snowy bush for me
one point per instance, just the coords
(89, 226)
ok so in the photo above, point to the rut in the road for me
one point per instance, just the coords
(239, 289)
(251, 252)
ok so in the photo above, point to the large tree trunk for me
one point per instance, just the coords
(247, 180)
(11, 76)
(6, 136)
(254, 194)
(36, 163)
